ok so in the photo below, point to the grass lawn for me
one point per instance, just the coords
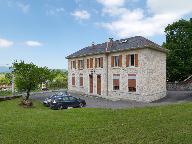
(40, 125)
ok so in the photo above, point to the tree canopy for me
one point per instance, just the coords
(29, 76)
(179, 44)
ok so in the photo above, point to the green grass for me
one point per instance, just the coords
(40, 125)
(5, 93)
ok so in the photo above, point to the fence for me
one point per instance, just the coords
(181, 86)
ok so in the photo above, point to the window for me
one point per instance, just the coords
(65, 99)
(73, 79)
(73, 64)
(132, 82)
(81, 80)
(72, 98)
(116, 78)
(99, 62)
(132, 60)
(116, 61)
(80, 64)
(91, 62)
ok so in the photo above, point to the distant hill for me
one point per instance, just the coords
(4, 69)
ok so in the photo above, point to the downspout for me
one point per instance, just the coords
(107, 75)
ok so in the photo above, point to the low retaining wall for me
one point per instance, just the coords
(4, 98)
(181, 86)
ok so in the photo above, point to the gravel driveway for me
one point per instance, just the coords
(97, 102)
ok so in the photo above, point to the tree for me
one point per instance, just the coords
(29, 76)
(179, 44)
(60, 79)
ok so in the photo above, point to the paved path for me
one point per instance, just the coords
(97, 102)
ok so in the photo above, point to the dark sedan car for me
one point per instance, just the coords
(66, 102)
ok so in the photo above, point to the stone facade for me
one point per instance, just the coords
(150, 76)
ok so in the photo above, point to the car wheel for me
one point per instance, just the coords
(60, 107)
(81, 105)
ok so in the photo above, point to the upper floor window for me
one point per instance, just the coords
(116, 81)
(132, 82)
(80, 64)
(90, 63)
(73, 64)
(132, 60)
(99, 62)
(116, 61)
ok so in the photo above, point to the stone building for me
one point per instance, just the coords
(132, 68)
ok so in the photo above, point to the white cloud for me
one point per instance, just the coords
(112, 3)
(33, 43)
(55, 11)
(145, 22)
(5, 43)
(179, 7)
(81, 14)
(24, 7)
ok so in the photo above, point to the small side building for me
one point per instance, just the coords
(132, 68)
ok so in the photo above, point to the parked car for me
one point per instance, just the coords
(47, 101)
(65, 102)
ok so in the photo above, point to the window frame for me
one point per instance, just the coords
(132, 77)
(116, 77)
(130, 60)
(116, 61)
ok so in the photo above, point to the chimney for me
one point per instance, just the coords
(93, 44)
(109, 44)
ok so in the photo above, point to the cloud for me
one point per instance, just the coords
(111, 3)
(5, 43)
(55, 11)
(145, 22)
(81, 14)
(24, 7)
(33, 43)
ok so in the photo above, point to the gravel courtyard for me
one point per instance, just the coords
(97, 102)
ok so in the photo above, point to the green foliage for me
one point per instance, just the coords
(4, 80)
(29, 76)
(150, 125)
(60, 80)
(179, 44)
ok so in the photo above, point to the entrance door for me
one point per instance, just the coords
(99, 84)
(90, 83)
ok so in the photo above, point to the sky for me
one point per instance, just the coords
(46, 31)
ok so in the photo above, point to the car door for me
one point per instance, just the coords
(73, 101)
(66, 102)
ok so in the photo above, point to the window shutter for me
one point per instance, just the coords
(91, 62)
(87, 63)
(132, 83)
(136, 60)
(95, 62)
(112, 61)
(101, 62)
(127, 60)
(78, 64)
(120, 60)
(75, 64)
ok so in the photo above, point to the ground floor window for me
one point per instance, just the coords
(116, 81)
(81, 80)
(132, 82)
(73, 79)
